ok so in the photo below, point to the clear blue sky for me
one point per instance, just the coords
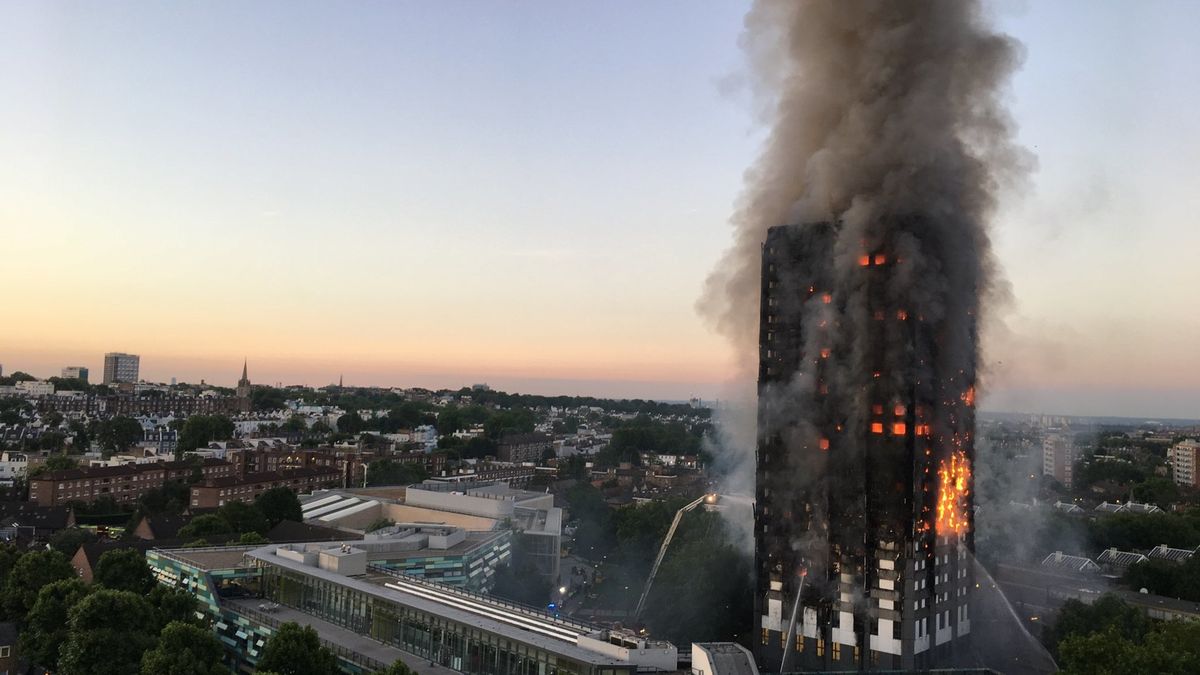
(531, 194)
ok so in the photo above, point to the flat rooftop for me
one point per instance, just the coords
(211, 557)
(553, 634)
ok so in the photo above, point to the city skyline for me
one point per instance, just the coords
(324, 205)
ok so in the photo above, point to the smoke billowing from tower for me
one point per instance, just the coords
(888, 145)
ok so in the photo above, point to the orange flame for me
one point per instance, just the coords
(968, 396)
(954, 484)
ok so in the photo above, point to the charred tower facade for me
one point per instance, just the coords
(863, 513)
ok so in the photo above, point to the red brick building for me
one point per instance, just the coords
(216, 492)
(124, 484)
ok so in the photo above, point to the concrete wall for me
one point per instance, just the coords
(461, 503)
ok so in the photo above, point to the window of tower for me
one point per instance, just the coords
(899, 428)
(877, 427)
(880, 258)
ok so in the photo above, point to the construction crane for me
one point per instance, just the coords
(662, 550)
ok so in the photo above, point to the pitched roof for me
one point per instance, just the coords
(1069, 563)
(32, 515)
(93, 550)
(165, 525)
(1120, 558)
(1164, 552)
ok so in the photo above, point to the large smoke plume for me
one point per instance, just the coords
(888, 118)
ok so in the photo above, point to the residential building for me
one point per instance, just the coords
(1058, 456)
(1061, 562)
(863, 513)
(519, 448)
(9, 661)
(1175, 555)
(372, 620)
(33, 388)
(1116, 561)
(13, 466)
(22, 520)
(216, 492)
(121, 368)
(1185, 460)
(124, 484)
(75, 373)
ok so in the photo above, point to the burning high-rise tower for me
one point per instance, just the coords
(888, 146)
(863, 505)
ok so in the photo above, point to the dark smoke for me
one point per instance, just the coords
(889, 135)
(875, 108)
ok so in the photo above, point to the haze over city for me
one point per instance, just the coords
(332, 195)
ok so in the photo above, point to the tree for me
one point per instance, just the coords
(398, 667)
(242, 517)
(379, 524)
(206, 525)
(279, 504)
(124, 569)
(251, 538)
(118, 434)
(33, 571)
(449, 420)
(388, 472)
(185, 649)
(52, 441)
(46, 624)
(173, 605)
(293, 650)
(67, 541)
(1171, 648)
(108, 632)
(267, 398)
(350, 423)
(200, 430)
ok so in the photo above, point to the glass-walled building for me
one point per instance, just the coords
(371, 615)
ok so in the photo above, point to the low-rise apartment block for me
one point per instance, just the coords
(124, 484)
(216, 492)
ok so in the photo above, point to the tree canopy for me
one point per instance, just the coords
(200, 430)
(108, 631)
(296, 650)
(279, 504)
(46, 624)
(185, 649)
(31, 572)
(124, 569)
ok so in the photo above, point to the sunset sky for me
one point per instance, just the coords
(531, 194)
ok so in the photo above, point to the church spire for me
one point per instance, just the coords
(245, 376)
